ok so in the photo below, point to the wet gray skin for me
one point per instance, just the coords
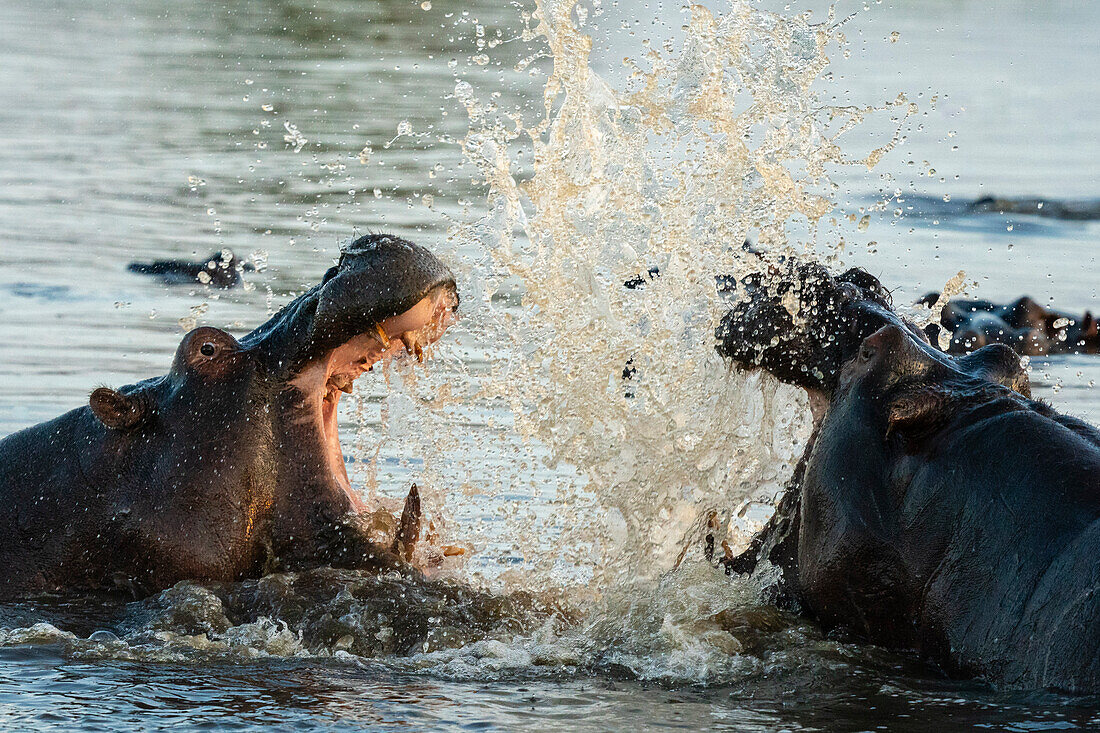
(937, 507)
(228, 466)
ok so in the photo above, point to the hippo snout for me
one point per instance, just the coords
(882, 341)
(890, 355)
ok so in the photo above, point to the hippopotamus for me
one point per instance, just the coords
(937, 507)
(228, 466)
(222, 269)
(1025, 325)
(1083, 210)
(983, 328)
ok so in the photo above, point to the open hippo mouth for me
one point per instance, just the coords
(386, 298)
(413, 333)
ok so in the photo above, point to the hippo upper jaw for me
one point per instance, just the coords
(378, 277)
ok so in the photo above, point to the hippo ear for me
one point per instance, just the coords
(917, 413)
(119, 411)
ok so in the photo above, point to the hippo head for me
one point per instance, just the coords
(868, 372)
(914, 388)
(802, 323)
(385, 297)
(257, 418)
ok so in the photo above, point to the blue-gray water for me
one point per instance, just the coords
(134, 130)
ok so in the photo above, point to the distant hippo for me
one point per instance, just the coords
(220, 270)
(936, 507)
(230, 465)
(1079, 210)
(983, 328)
(1025, 325)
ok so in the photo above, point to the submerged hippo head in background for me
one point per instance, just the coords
(1023, 324)
(937, 507)
(222, 269)
(230, 464)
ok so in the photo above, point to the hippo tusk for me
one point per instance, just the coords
(408, 529)
(382, 337)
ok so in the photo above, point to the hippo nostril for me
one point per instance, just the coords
(207, 349)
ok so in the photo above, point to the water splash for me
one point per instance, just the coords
(637, 198)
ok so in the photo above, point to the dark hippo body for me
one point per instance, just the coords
(220, 270)
(230, 464)
(1024, 325)
(937, 507)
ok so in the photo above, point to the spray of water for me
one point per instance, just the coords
(637, 198)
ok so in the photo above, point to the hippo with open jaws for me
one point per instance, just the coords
(230, 465)
(936, 507)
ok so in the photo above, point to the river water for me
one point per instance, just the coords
(135, 130)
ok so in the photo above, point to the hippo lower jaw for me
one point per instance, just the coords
(322, 383)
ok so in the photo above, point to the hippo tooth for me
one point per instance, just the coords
(382, 337)
(412, 346)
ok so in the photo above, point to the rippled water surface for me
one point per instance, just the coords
(136, 130)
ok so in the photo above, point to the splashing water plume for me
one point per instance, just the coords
(657, 185)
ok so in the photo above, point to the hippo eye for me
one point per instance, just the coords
(208, 349)
(866, 353)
